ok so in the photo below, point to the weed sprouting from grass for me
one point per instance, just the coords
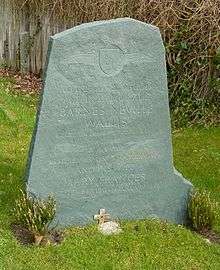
(35, 214)
(202, 211)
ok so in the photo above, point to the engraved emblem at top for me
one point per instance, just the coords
(111, 61)
(107, 61)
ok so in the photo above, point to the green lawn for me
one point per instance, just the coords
(143, 244)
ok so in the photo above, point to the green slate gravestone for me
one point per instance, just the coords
(102, 136)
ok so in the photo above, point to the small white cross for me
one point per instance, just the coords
(102, 217)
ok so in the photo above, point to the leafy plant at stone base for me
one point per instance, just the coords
(35, 215)
(202, 211)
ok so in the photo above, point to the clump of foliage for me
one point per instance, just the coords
(202, 211)
(190, 31)
(35, 214)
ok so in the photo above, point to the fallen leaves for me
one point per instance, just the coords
(25, 84)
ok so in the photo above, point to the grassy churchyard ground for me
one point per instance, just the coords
(146, 244)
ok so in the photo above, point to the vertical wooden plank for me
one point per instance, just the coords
(16, 37)
(20, 28)
(24, 52)
(6, 54)
(13, 22)
(32, 48)
(11, 36)
(46, 34)
(38, 54)
(2, 29)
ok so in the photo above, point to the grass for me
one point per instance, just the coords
(144, 244)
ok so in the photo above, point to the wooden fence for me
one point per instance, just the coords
(24, 37)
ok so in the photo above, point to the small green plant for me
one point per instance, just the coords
(35, 214)
(202, 210)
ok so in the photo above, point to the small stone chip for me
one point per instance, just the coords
(207, 241)
(110, 227)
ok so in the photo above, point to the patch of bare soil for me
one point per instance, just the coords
(26, 84)
(25, 237)
(212, 236)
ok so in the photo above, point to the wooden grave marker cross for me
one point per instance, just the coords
(102, 217)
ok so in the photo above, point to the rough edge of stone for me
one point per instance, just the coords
(187, 182)
(103, 22)
(34, 133)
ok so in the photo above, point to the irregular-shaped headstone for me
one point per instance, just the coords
(103, 136)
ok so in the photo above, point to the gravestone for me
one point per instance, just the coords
(102, 137)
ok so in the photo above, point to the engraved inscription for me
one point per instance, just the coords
(112, 112)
